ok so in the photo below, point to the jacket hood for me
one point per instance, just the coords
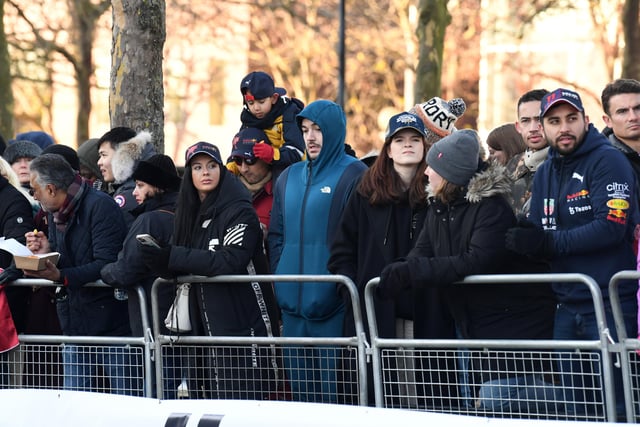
(129, 153)
(332, 121)
(493, 180)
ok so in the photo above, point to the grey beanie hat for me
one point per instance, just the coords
(455, 157)
(19, 149)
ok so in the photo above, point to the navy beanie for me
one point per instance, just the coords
(455, 157)
(41, 139)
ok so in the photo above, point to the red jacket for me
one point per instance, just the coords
(8, 334)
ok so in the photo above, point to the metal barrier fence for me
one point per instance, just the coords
(450, 374)
(415, 374)
(323, 370)
(119, 365)
(628, 349)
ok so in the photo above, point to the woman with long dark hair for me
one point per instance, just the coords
(217, 232)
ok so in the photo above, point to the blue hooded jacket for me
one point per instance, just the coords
(308, 200)
(585, 201)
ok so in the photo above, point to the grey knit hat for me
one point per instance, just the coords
(455, 157)
(19, 149)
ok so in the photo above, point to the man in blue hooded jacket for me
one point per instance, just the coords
(308, 200)
(582, 220)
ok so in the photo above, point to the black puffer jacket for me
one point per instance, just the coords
(467, 237)
(92, 239)
(228, 240)
(155, 217)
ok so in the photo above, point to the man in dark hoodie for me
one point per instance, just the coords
(583, 214)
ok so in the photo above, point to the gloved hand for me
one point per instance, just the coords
(529, 239)
(157, 259)
(264, 152)
(393, 280)
(10, 274)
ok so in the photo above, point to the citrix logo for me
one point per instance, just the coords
(618, 187)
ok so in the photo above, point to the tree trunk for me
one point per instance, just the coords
(6, 94)
(433, 18)
(136, 97)
(631, 28)
(85, 15)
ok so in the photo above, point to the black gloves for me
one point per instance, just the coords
(394, 278)
(529, 239)
(157, 259)
(10, 274)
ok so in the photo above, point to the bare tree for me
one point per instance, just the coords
(84, 15)
(308, 67)
(51, 39)
(631, 28)
(6, 93)
(433, 19)
(136, 96)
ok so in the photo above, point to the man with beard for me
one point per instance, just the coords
(582, 217)
(254, 172)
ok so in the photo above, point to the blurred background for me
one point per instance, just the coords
(62, 62)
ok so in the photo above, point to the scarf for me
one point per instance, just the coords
(255, 188)
(533, 159)
(74, 194)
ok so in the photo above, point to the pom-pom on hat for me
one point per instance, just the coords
(439, 116)
(203, 147)
(19, 149)
(244, 141)
(558, 96)
(404, 121)
(455, 157)
(260, 85)
(159, 171)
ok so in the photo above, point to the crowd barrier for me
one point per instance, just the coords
(422, 375)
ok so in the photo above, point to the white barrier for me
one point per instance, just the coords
(71, 408)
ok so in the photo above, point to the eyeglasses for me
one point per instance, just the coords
(31, 192)
(238, 161)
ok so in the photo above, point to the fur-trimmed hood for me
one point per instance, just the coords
(129, 153)
(492, 180)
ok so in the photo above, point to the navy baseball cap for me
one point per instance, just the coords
(261, 86)
(405, 121)
(558, 96)
(203, 147)
(244, 141)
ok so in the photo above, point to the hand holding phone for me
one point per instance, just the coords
(147, 239)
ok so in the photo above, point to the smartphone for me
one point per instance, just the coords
(147, 239)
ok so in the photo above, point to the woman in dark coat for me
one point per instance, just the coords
(217, 232)
(156, 190)
(381, 223)
(464, 234)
